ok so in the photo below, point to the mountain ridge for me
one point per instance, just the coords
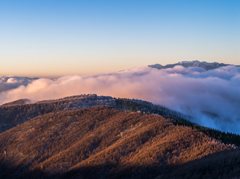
(19, 113)
(15, 114)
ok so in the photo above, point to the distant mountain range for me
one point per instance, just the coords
(186, 64)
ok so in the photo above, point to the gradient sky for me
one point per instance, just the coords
(51, 38)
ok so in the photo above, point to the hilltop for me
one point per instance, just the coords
(17, 102)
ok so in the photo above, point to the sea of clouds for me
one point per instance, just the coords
(211, 97)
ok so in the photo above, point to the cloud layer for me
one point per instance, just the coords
(211, 97)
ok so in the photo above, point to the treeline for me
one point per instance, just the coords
(225, 137)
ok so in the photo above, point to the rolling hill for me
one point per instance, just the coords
(90, 136)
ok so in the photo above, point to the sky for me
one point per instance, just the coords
(54, 38)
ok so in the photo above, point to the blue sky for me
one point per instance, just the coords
(54, 37)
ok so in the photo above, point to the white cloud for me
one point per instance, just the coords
(12, 82)
(212, 97)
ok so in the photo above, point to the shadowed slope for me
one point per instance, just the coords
(100, 142)
(222, 165)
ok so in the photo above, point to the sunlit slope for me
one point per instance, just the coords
(99, 141)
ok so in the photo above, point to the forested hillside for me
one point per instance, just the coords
(100, 142)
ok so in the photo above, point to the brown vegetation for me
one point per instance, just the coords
(100, 142)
